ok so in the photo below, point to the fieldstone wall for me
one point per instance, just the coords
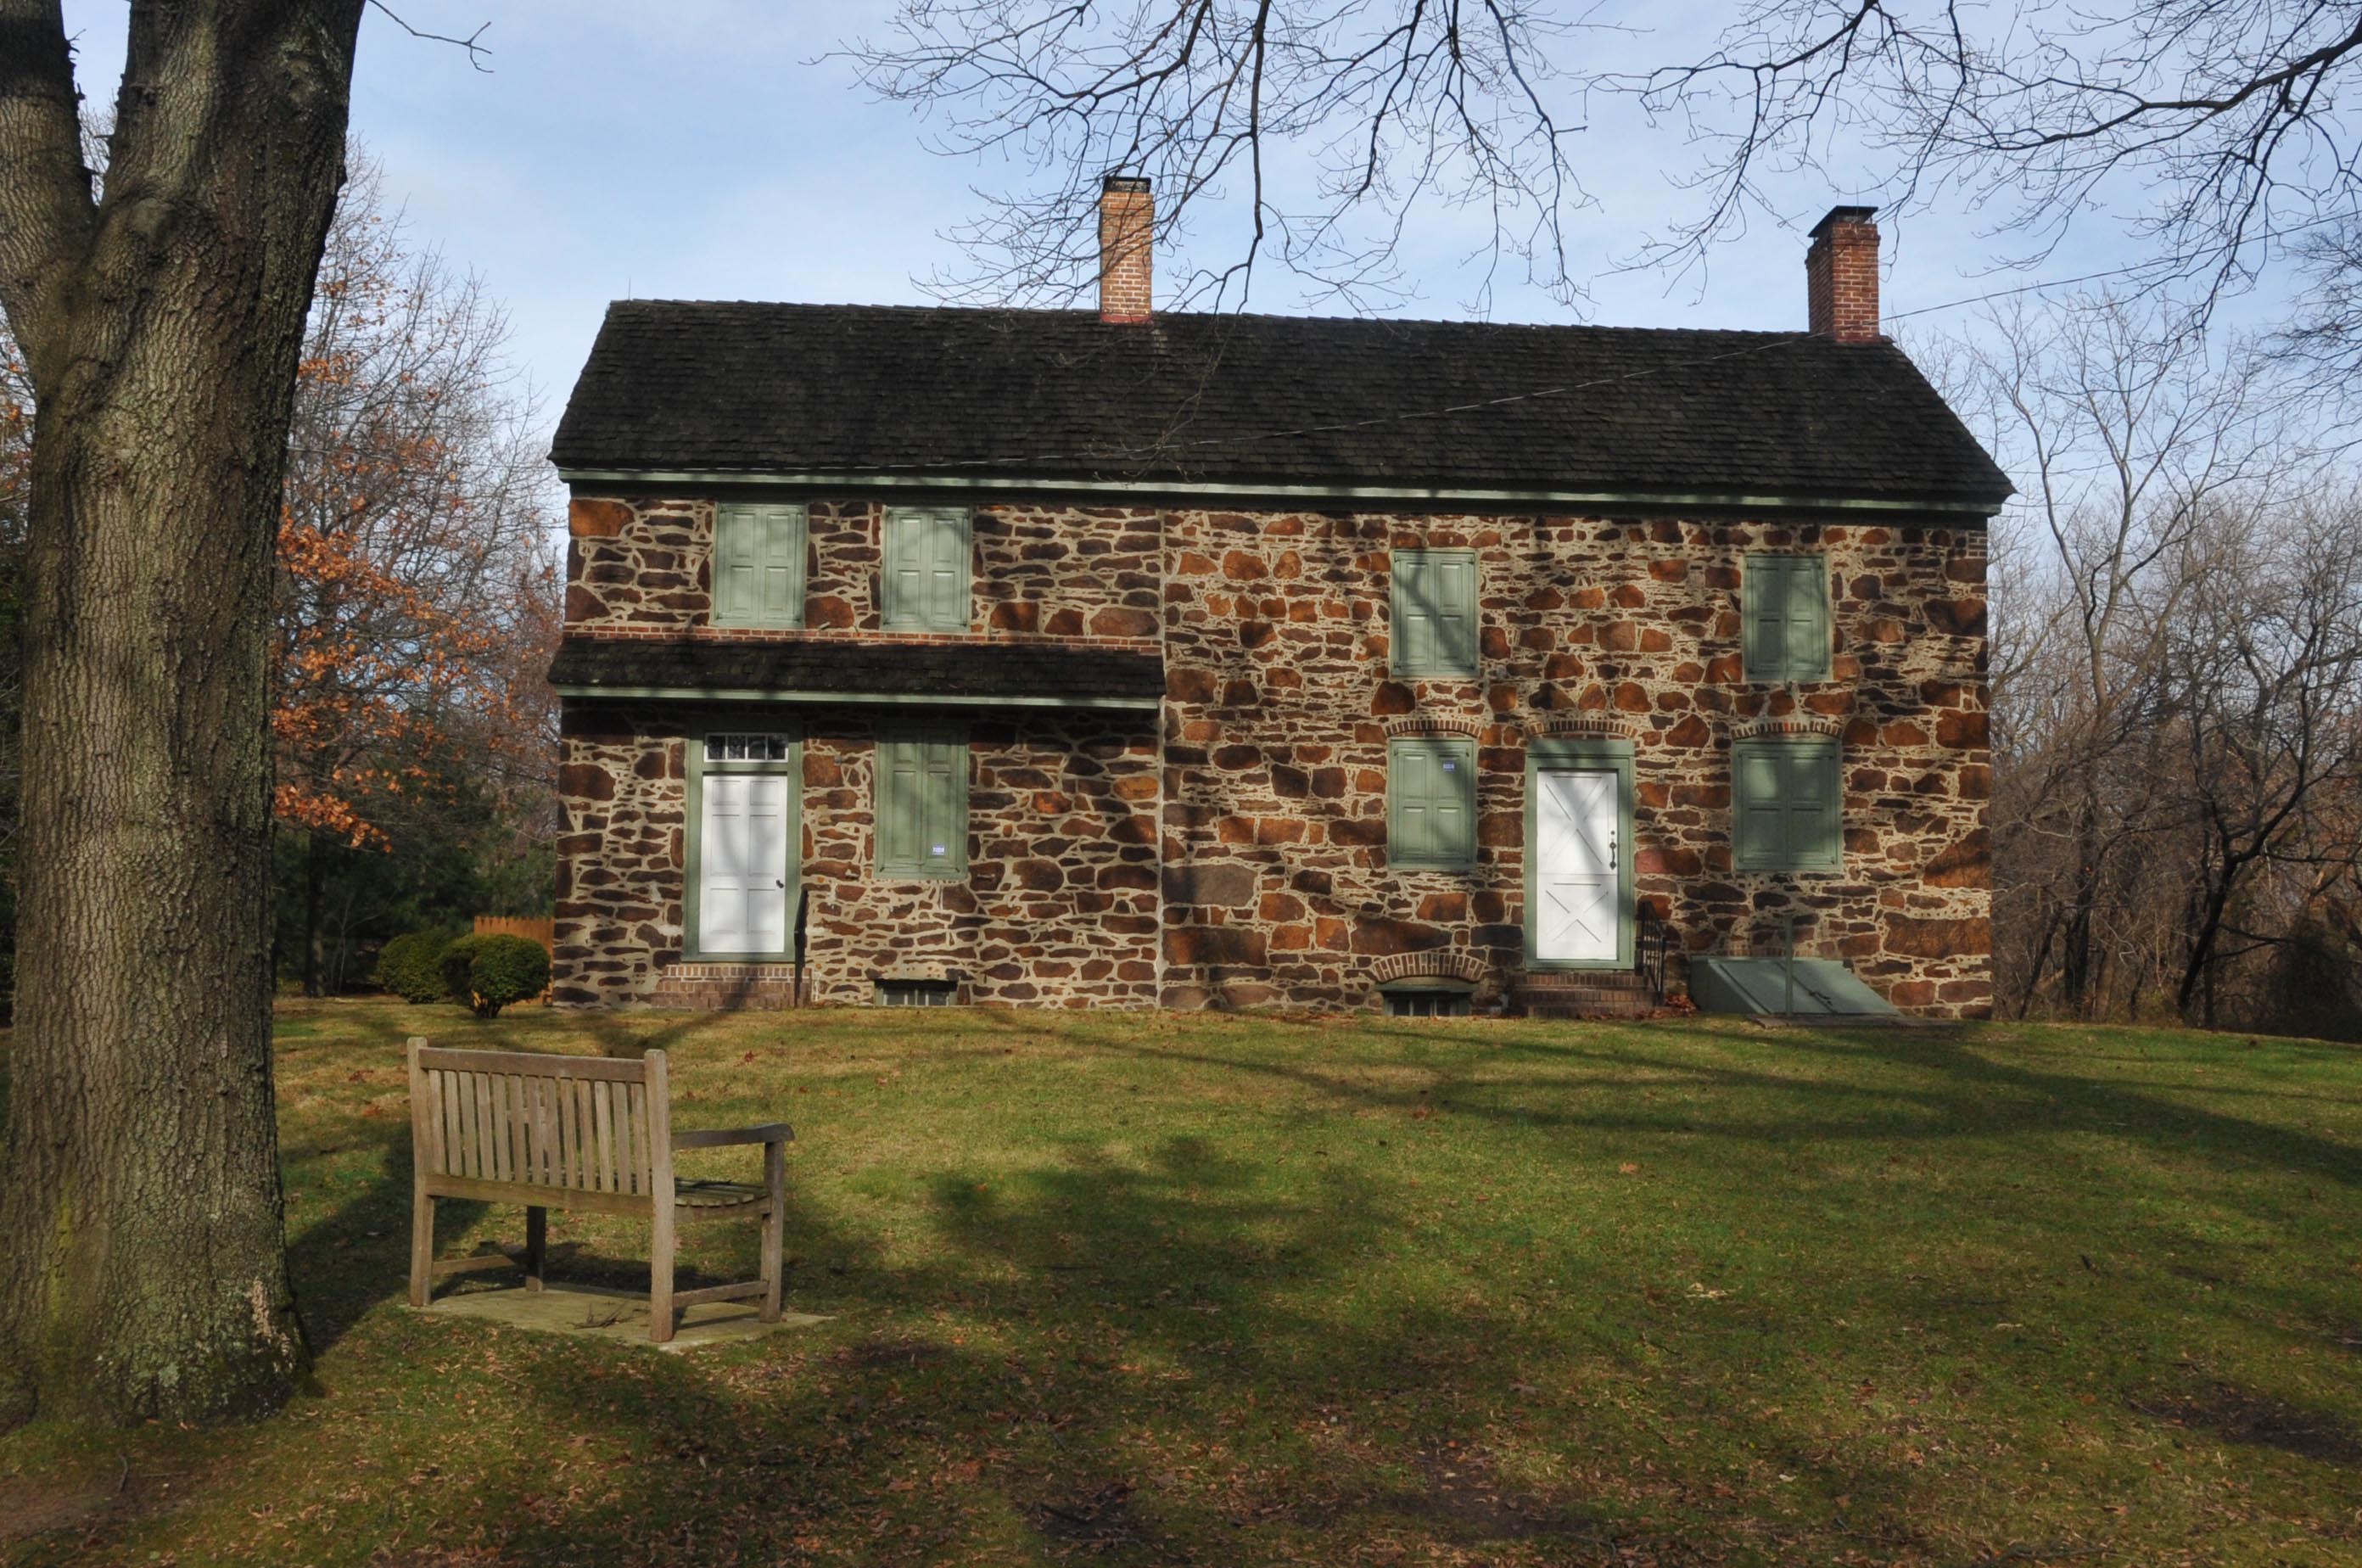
(1058, 907)
(1279, 709)
(645, 566)
(1266, 813)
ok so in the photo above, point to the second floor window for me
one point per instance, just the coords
(758, 566)
(1435, 613)
(1785, 616)
(925, 585)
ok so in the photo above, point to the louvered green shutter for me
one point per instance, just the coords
(758, 566)
(927, 586)
(1786, 617)
(1432, 803)
(1435, 616)
(921, 806)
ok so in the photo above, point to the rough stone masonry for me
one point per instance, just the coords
(1229, 850)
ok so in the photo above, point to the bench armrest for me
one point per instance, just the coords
(769, 1133)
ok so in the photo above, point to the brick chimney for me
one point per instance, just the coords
(1841, 276)
(1127, 232)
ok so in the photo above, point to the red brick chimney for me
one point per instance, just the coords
(1841, 276)
(1127, 232)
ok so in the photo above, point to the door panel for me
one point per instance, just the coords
(1577, 915)
(742, 844)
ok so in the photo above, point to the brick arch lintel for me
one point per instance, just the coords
(1462, 965)
(1788, 725)
(1601, 726)
(1432, 725)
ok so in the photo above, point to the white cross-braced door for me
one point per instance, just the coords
(1577, 915)
(743, 842)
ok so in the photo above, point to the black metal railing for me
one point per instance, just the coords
(1651, 941)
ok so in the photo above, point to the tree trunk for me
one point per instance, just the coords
(315, 889)
(142, 1267)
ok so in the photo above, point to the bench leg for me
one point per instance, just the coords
(422, 1248)
(660, 1250)
(775, 1178)
(537, 1244)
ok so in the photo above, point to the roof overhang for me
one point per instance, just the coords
(1383, 496)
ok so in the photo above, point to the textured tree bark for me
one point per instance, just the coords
(142, 1270)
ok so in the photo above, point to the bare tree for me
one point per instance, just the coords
(1396, 101)
(2264, 690)
(413, 539)
(2213, 126)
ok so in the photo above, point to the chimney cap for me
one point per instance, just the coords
(1837, 216)
(1124, 183)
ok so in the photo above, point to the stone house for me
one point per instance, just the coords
(1115, 658)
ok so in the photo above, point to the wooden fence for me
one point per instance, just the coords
(543, 931)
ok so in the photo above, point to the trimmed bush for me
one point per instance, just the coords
(506, 969)
(457, 965)
(411, 967)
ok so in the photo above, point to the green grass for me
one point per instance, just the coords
(1149, 1289)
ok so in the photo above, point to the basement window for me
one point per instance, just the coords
(915, 993)
(1429, 1001)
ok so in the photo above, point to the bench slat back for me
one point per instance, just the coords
(584, 1123)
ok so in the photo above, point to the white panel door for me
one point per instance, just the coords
(742, 844)
(1576, 912)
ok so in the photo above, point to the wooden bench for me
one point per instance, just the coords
(582, 1132)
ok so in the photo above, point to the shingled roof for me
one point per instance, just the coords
(983, 672)
(1454, 407)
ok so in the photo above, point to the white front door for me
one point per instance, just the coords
(1576, 912)
(742, 844)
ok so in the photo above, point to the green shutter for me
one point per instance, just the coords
(1785, 611)
(926, 579)
(1435, 616)
(1432, 803)
(922, 805)
(758, 566)
(1787, 805)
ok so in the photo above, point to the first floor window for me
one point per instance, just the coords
(922, 805)
(1432, 803)
(1786, 804)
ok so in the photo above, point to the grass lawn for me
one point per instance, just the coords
(1151, 1289)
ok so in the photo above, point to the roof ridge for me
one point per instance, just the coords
(1091, 317)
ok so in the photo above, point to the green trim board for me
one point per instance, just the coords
(1432, 803)
(1787, 804)
(759, 565)
(1585, 755)
(1785, 617)
(1432, 603)
(859, 699)
(919, 785)
(917, 481)
(693, 869)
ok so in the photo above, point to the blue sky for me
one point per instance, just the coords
(703, 148)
